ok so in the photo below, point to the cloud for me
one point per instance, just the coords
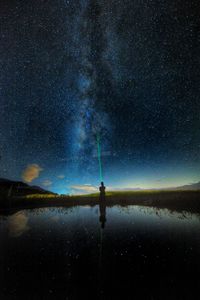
(31, 172)
(18, 224)
(55, 218)
(61, 176)
(84, 189)
(47, 182)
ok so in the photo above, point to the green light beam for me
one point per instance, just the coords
(99, 158)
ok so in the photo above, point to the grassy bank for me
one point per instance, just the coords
(173, 200)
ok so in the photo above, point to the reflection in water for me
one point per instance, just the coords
(153, 253)
(102, 219)
(102, 210)
(18, 224)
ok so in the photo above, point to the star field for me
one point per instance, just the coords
(125, 70)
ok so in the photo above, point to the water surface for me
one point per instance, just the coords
(64, 253)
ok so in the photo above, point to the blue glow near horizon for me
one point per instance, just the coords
(134, 176)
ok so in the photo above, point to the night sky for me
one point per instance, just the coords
(125, 70)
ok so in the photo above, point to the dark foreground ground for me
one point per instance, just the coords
(188, 201)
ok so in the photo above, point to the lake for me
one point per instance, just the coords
(86, 252)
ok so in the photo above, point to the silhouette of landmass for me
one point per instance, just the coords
(17, 195)
(187, 187)
(193, 186)
(10, 188)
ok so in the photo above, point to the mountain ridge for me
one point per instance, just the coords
(19, 188)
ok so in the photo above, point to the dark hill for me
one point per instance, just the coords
(188, 187)
(10, 188)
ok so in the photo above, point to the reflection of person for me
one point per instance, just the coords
(102, 205)
(102, 210)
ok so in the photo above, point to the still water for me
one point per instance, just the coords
(74, 253)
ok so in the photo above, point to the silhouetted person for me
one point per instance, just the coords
(102, 190)
(102, 205)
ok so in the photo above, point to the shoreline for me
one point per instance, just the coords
(188, 201)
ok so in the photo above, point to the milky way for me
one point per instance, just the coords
(125, 70)
(91, 119)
